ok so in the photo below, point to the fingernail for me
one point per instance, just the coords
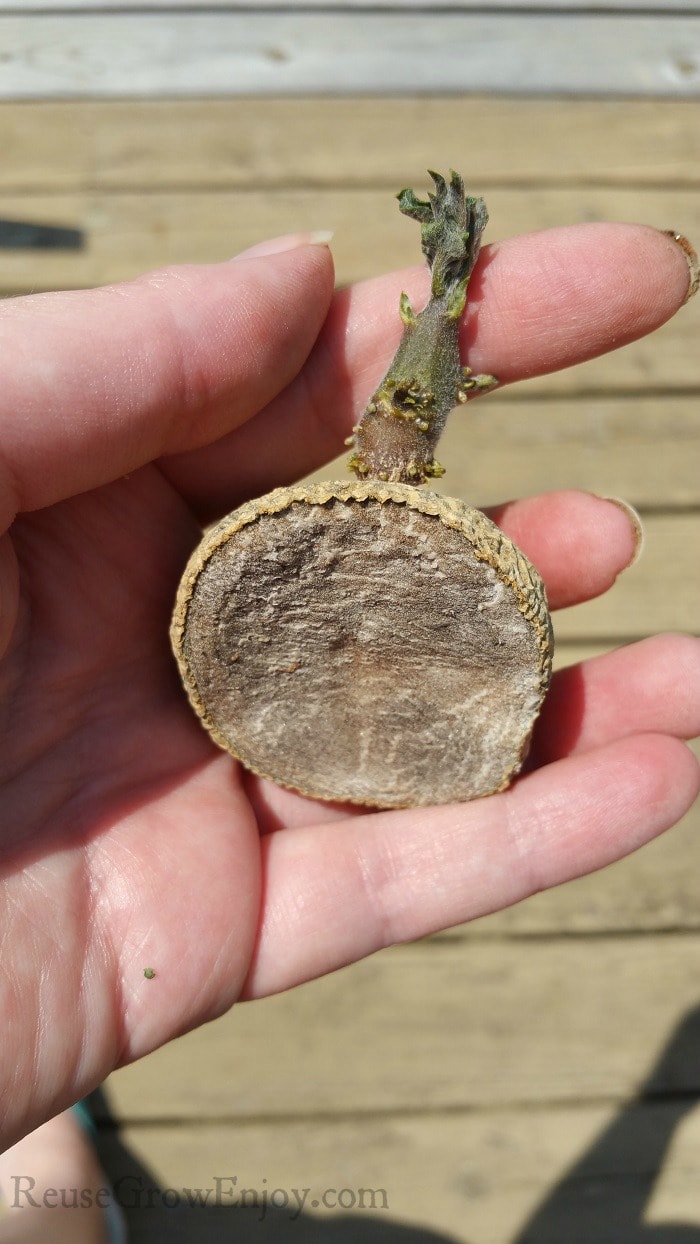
(288, 242)
(691, 260)
(635, 523)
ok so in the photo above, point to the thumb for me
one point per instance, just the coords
(96, 383)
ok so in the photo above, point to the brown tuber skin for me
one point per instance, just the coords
(371, 642)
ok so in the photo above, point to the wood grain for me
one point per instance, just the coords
(149, 144)
(185, 53)
(644, 449)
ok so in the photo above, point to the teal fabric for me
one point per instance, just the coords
(114, 1216)
(82, 1112)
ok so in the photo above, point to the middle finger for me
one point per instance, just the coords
(537, 303)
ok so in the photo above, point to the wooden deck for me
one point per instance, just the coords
(534, 1078)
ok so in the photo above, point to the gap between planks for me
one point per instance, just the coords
(107, 1122)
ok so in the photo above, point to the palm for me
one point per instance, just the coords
(96, 574)
(129, 842)
(102, 768)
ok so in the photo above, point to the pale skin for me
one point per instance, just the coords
(130, 415)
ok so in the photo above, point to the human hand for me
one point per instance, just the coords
(130, 415)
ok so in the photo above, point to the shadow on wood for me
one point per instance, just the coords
(157, 1215)
(603, 1197)
(605, 1194)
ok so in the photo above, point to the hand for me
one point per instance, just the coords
(128, 416)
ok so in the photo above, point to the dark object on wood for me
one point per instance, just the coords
(23, 235)
(372, 642)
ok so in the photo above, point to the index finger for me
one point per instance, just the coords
(96, 383)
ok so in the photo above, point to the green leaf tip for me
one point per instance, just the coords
(452, 223)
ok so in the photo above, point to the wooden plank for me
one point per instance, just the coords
(634, 447)
(644, 449)
(130, 233)
(571, 1174)
(438, 1026)
(254, 143)
(241, 53)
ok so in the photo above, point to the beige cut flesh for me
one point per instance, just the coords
(366, 642)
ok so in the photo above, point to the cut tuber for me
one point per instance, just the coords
(373, 642)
